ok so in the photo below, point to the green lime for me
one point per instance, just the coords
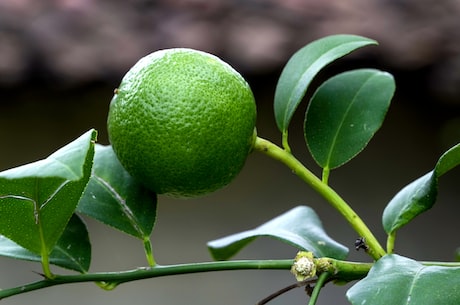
(182, 122)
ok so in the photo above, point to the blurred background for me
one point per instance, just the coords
(61, 60)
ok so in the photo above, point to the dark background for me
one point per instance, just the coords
(60, 61)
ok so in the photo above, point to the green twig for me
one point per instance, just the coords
(113, 279)
(322, 278)
(337, 270)
(375, 249)
(345, 271)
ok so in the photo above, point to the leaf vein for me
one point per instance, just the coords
(124, 207)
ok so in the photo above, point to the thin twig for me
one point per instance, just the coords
(286, 289)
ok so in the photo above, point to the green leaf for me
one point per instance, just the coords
(345, 113)
(398, 280)
(38, 199)
(299, 227)
(303, 66)
(114, 198)
(72, 251)
(420, 195)
(449, 160)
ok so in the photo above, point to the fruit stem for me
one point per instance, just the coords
(375, 249)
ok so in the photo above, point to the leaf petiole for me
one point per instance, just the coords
(285, 141)
(325, 175)
(45, 259)
(391, 242)
(148, 252)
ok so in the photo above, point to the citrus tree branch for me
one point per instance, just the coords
(113, 279)
(343, 271)
(375, 249)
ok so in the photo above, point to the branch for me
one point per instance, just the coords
(113, 279)
(339, 271)
(375, 249)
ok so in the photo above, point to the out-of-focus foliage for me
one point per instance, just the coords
(88, 40)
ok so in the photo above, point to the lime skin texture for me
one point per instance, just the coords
(182, 122)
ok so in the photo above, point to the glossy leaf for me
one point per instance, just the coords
(398, 280)
(420, 195)
(303, 66)
(72, 251)
(38, 199)
(299, 227)
(114, 198)
(345, 113)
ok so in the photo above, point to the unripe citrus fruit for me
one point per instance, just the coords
(182, 122)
